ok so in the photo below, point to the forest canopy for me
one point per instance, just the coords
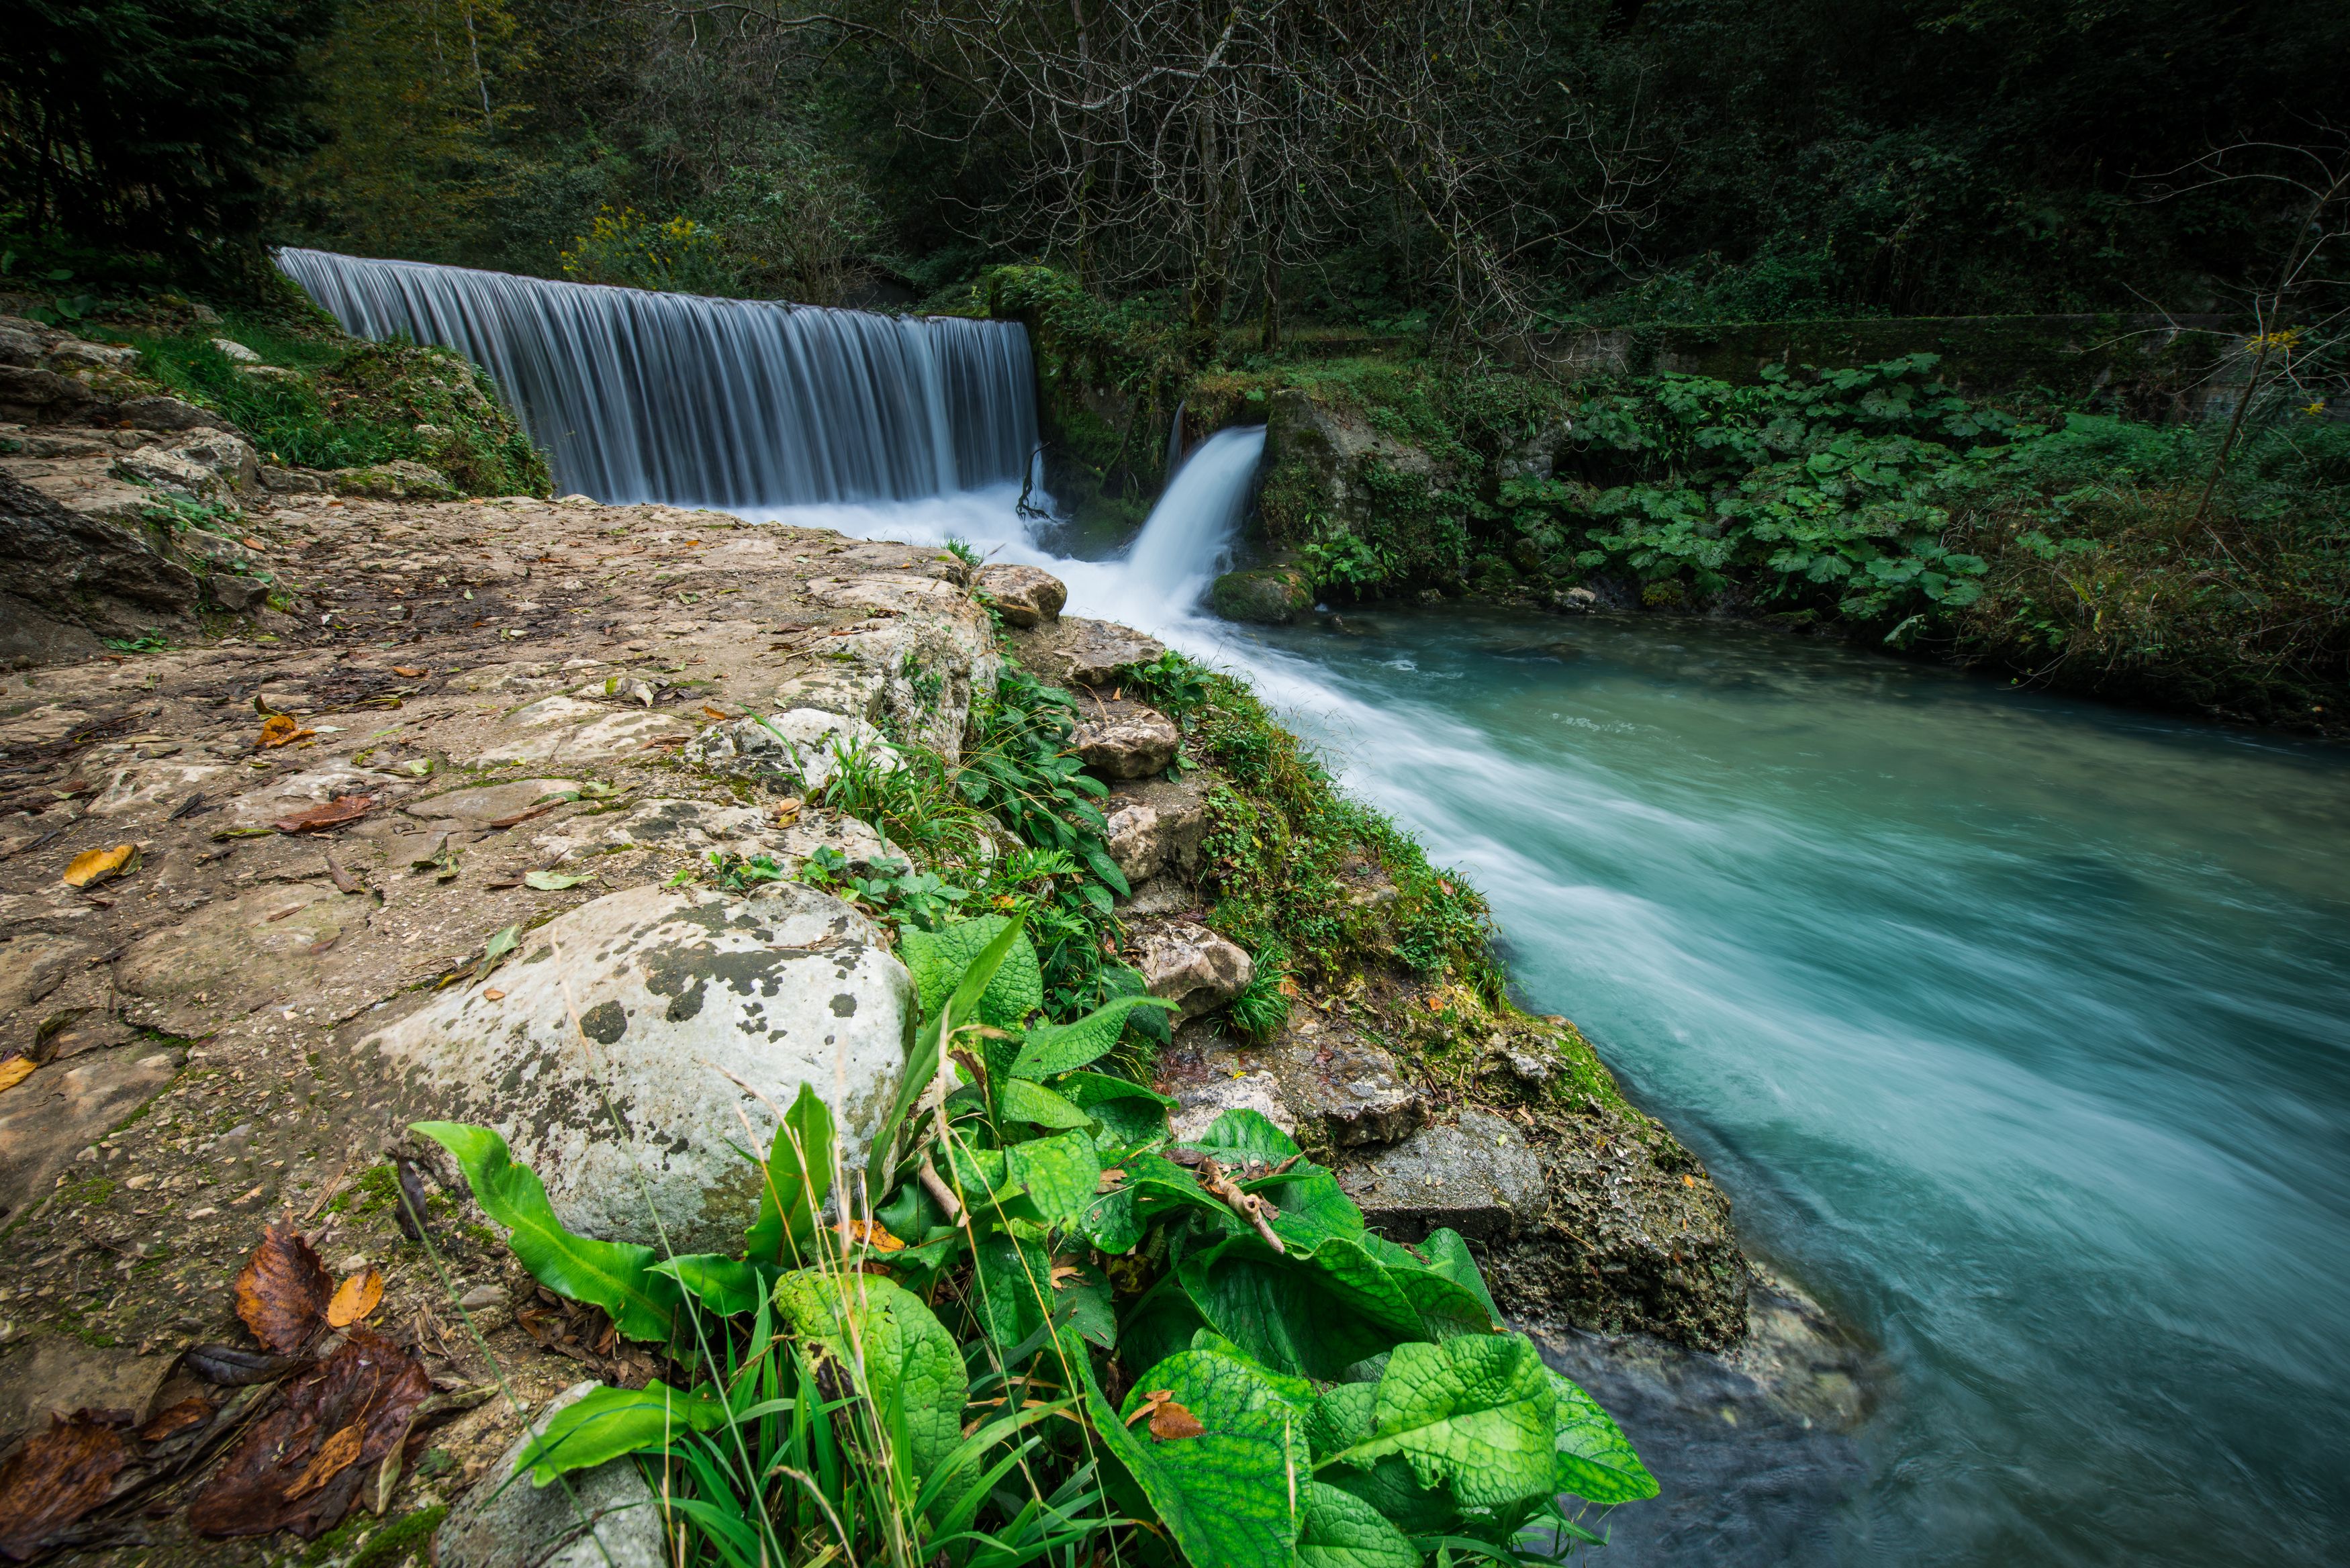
(1351, 161)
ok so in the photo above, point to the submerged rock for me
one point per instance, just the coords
(1024, 595)
(1269, 595)
(605, 1060)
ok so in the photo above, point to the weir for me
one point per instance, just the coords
(638, 396)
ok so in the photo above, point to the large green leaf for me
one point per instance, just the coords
(1342, 1417)
(1230, 1496)
(1473, 1415)
(1062, 1047)
(1317, 1314)
(1595, 1461)
(615, 1275)
(1130, 1113)
(903, 1358)
(1060, 1174)
(1342, 1531)
(1023, 1101)
(727, 1286)
(1012, 1287)
(797, 1174)
(1448, 1255)
(604, 1423)
(1240, 1137)
(938, 961)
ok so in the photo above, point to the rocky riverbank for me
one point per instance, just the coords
(425, 828)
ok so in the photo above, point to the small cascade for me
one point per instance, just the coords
(1188, 537)
(639, 395)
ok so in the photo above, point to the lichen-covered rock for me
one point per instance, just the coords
(1127, 740)
(925, 653)
(698, 828)
(1024, 595)
(1268, 596)
(605, 1060)
(1191, 966)
(62, 572)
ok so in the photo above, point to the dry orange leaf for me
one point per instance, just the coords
(870, 1233)
(409, 672)
(335, 1455)
(15, 1071)
(714, 712)
(494, 994)
(283, 728)
(178, 1418)
(355, 1298)
(282, 1290)
(98, 865)
(1172, 1423)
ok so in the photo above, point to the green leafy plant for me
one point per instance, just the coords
(926, 1379)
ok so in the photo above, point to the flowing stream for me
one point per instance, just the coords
(2017, 1028)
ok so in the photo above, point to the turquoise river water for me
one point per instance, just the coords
(2017, 1028)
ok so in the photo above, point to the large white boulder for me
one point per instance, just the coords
(606, 1061)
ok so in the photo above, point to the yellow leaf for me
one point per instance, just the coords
(97, 865)
(15, 1071)
(355, 1298)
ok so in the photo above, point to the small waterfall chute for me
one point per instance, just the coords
(638, 396)
(1174, 445)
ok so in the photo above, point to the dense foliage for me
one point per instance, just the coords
(1673, 159)
(1039, 1328)
(153, 127)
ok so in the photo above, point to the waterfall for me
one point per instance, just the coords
(638, 396)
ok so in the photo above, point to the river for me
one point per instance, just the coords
(2017, 1027)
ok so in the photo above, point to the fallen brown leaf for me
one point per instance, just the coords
(291, 1471)
(98, 865)
(355, 1298)
(178, 1418)
(282, 1290)
(1172, 1423)
(493, 993)
(281, 730)
(15, 1071)
(409, 672)
(54, 1479)
(342, 809)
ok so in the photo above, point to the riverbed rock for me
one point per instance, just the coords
(795, 753)
(1075, 652)
(1267, 596)
(1197, 1106)
(278, 941)
(65, 1106)
(603, 1517)
(1024, 595)
(49, 1375)
(159, 784)
(1125, 741)
(1156, 824)
(605, 1060)
(1190, 966)
(1477, 1176)
(565, 730)
(700, 828)
(1334, 1086)
(484, 805)
(918, 662)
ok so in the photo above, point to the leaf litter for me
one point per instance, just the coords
(283, 1291)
